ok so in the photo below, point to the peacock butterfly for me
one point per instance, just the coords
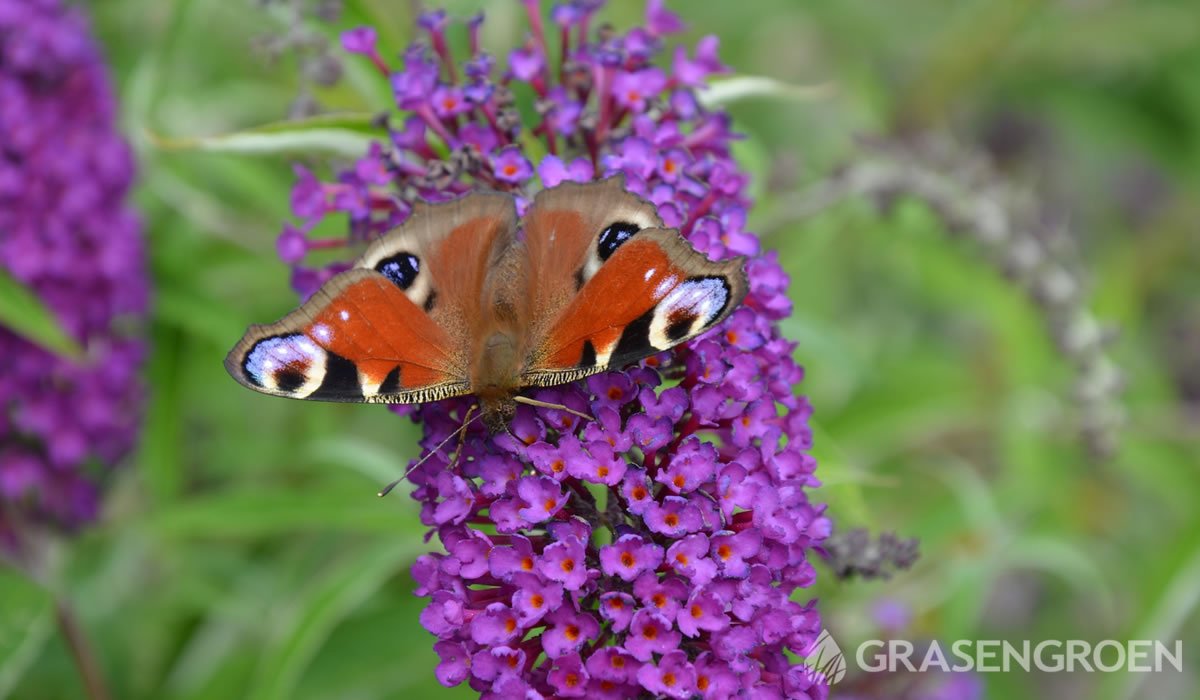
(455, 302)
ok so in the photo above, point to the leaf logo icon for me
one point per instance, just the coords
(826, 661)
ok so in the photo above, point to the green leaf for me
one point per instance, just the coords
(372, 460)
(22, 312)
(318, 610)
(280, 511)
(1166, 617)
(742, 87)
(347, 134)
(26, 611)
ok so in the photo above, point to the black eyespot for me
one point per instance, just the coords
(678, 328)
(289, 379)
(613, 236)
(401, 269)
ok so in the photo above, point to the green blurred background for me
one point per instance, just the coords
(244, 554)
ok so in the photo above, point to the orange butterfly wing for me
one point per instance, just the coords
(397, 327)
(611, 286)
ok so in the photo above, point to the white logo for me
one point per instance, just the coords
(825, 660)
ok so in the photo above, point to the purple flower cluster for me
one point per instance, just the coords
(66, 234)
(653, 550)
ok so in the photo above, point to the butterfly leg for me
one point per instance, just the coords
(460, 432)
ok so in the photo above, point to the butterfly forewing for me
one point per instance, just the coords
(652, 293)
(442, 257)
(564, 229)
(359, 338)
(397, 327)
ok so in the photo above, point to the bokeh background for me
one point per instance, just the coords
(1041, 444)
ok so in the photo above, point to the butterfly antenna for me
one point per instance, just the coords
(460, 431)
(546, 404)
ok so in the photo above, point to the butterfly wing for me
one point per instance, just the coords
(613, 287)
(396, 327)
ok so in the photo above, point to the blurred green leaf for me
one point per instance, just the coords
(22, 312)
(339, 134)
(744, 87)
(26, 615)
(1167, 615)
(312, 616)
(277, 511)
(372, 460)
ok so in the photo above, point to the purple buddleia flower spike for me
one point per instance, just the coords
(66, 234)
(653, 550)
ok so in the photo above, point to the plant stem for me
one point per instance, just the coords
(81, 651)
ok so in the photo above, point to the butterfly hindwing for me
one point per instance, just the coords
(652, 292)
(396, 328)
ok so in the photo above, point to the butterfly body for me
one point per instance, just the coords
(456, 302)
(497, 379)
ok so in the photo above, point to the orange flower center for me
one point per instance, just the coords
(568, 565)
(724, 551)
(537, 600)
(627, 559)
(668, 679)
(527, 564)
(697, 612)
(671, 519)
(572, 632)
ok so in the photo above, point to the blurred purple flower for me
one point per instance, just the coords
(67, 234)
(655, 549)
(893, 619)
